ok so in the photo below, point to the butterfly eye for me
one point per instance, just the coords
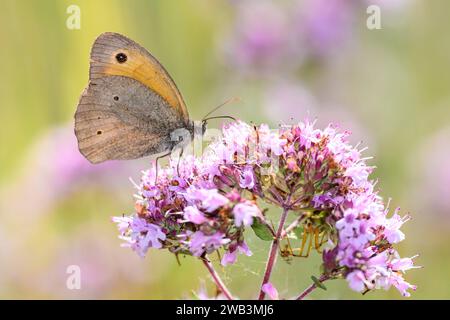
(121, 57)
(116, 98)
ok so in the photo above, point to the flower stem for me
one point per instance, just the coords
(217, 280)
(311, 288)
(273, 253)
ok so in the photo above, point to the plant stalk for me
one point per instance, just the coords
(311, 288)
(217, 280)
(273, 253)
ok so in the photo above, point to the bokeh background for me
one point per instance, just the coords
(284, 59)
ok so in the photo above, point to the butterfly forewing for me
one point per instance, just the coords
(115, 54)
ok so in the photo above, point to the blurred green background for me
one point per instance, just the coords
(389, 86)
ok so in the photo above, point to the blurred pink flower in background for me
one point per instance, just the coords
(344, 117)
(276, 41)
(430, 168)
(54, 169)
(274, 35)
(390, 4)
(288, 99)
(325, 25)
(102, 264)
(261, 37)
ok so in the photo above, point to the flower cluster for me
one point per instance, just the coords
(203, 204)
(366, 237)
(182, 211)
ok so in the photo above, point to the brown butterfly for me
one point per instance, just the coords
(131, 106)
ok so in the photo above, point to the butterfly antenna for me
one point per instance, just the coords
(219, 117)
(235, 99)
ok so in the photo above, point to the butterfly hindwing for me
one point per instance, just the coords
(119, 118)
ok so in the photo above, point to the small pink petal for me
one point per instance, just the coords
(271, 291)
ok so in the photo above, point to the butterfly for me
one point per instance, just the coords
(131, 107)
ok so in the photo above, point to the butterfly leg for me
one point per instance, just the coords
(179, 160)
(156, 165)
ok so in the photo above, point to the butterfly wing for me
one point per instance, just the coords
(130, 106)
(115, 54)
(119, 118)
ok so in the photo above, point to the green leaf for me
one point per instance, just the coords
(318, 283)
(261, 230)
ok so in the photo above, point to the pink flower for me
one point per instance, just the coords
(200, 243)
(152, 237)
(271, 291)
(392, 225)
(192, 214)
(401, 285)
(359, 174)
(143, 235)
(356, 280)
(244, 214)
(403, 264)
(123, 223)
(210, 200)
(308, 135)
(247, 178)
(230, 256)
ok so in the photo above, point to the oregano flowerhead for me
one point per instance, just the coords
(200, 205)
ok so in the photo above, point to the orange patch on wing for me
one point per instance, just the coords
(134, 62)
(138, 67)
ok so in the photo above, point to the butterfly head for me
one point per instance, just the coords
(197, 128)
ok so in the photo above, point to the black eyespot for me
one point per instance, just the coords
(121, 57)
(116, 98)
(99, 132)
